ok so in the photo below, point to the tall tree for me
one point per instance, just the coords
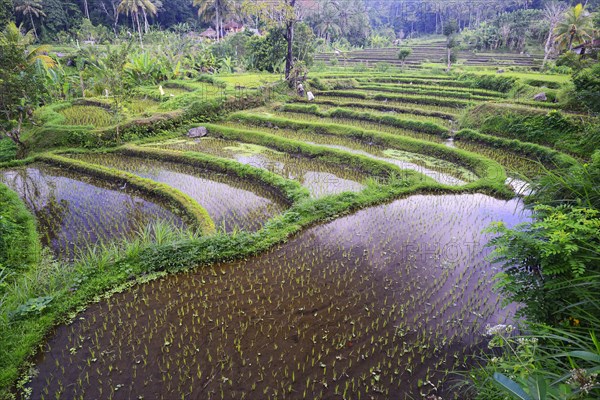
(449, 30)
(278, 13)
(30, 8)
(218, 6)
(575, 26)
(553, 13)
(133, 8)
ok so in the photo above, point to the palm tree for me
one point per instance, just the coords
(219, 8)
(327, 26)
(576, 26)
(30, 8)
(133, 8)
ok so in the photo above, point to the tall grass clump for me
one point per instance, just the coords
(19, 241)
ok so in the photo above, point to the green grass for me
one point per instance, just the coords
(87, 115)
(524, 75)
(19, 241)
(545, 155)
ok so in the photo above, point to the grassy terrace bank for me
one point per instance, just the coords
(412, 99)
(380, 107)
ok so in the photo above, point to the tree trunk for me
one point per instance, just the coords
(33, 25)
(139, 28)
(289, 36)
(81, 84)
(571, 41)
(85, 9)
(548, 45)
(217, 7)
(146, 25)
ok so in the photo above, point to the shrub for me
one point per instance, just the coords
(587, 88)
(382, 66)
(404, 53)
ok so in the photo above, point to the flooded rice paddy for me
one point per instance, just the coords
(320, 178)
(440, 170)
(231, 203)
(75, 211)
(380, 304)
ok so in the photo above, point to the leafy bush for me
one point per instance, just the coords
(573, 61)
(587, 88)
(542, 258)
(359, 67)
(404, 53)
(547, 364)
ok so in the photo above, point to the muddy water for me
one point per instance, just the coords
(75, 211)
(231, 203)
(321, 179)
(361, 307)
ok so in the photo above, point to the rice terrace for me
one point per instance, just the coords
(299, 199)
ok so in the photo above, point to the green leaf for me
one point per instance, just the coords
(511, 386)
(538, 387)
(585, 355)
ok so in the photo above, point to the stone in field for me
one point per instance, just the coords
(540, 97)
(310, 96)
(197, 132)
